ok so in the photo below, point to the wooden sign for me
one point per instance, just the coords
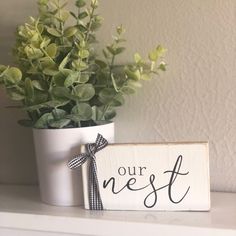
(160, 177)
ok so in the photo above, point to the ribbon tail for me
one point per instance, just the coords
(95, 201)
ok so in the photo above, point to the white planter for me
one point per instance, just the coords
(60, 185)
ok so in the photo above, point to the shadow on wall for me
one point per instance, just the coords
(17, 159)
(6, 44)
(12, 13)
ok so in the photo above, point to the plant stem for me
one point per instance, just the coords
(78, 16)
(89, 24)
(111, 68)
(47, 55)
(60, 22)
(77, 103)
(104, 111)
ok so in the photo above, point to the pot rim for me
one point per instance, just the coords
(103, 123)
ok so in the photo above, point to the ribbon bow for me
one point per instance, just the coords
(95, 201)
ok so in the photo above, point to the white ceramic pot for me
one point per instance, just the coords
(60, 185)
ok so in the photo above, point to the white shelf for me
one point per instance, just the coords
(21, 209)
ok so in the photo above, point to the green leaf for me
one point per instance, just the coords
(120, 30)
(25, 123)
(83, 111)
(39, 84)
(50, 71)
(106, 54)
(83, 15)
(47, 62)
(56, 103)
(84, 92)
(80, 3)
(103, 113)
(79, 65)
(64, 62)
(157, 53)
(117, 101)
(115, 51)
(101, 64)
(15, 95)
(82, 43)
(153, 56)
(82, 28)
(52, 50)
(111, 50)
(61, 93)
(58, 114)
(63, 15)
(95, 25)
(84, 78)
(43, 121)
(127, 90)
(59, 79)
(73, 14)
(33, 53)
(70, 31)
(134, 84)
(103, 80)
(83, 53)
(107, 95)
(94, 4)
(54, 32)
(45, 43)
(135, 75)
(40, 28)
(137, 58)
(49, 104)
(43, 2)
(34, 38)
(2, 69)
(40, 96)
(75, 77)
(145, 77)
(59, 124)
(160, 50)
(109, 114)
(32, 70)
(119, 50)
(162, 66)
(13, 75)
(71, 79)
(97, 113)
(29, 89)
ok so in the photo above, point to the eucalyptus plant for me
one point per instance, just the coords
(61, 81)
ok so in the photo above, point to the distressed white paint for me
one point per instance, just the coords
(195, 100)
(130, 167)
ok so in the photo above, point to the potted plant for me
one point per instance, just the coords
(70, 91)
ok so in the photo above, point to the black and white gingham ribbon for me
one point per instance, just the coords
(95, 201)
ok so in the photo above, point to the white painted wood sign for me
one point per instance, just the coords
(160, 177)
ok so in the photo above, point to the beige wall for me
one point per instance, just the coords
(194, 100)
